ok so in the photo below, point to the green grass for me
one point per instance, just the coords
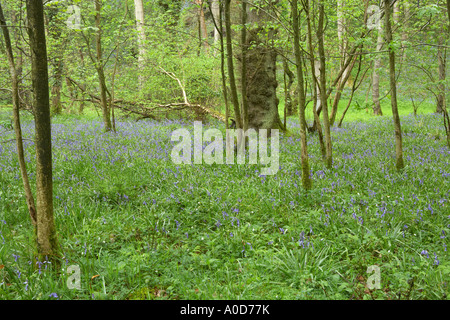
(141, 227)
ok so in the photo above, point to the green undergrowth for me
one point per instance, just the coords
(141, 227)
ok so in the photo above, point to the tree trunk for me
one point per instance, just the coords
(219, 28)
(139, 12)
(341, 22)
(340, 88)
(47, 245)
(445, 113)
(317, 96)
(323, 87)
(202, 25)
(396, 12)
(106, 112)
(244, 65)
(290, 106)
(317, 124)
(261, 73)
(441, 73)
(56, 87)
(376, 76)
(354, 88)
(233, 89)
(18, 39)
(215, 10)
(306, 180)
(56, 56)
(16, 114)
(393, 85)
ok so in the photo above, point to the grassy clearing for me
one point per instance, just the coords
(141, 227)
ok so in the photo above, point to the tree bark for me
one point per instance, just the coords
(342, 50)
(445, 113)
(441, 74)
(261, 73)
(233, 89)
(16, 114)
(323, 86)
(219, 28)
(306, 180)
(56, 57)
(106, 112)
(244, 65)
(290, 106)
(215, 10)
(317, 122)
(376, 76)
(340, 88)
(393, 85)
(202, 26)
(47, 244)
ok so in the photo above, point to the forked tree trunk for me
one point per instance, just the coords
(47, 245)
(393, 85)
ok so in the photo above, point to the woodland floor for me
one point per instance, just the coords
(141, 227)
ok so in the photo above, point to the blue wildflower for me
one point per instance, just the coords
(425, 252)
(53, 295)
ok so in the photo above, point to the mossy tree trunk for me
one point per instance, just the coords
(260, 60)
(47, 245)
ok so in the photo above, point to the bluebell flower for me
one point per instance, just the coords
(436, 261)
(425, 252)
